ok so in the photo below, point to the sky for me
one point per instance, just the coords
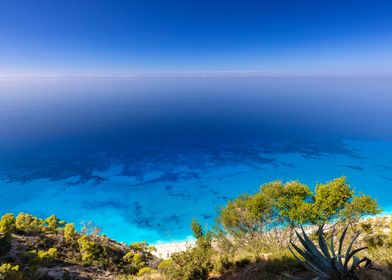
(89, 37)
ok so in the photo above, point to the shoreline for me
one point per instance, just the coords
(164, 250)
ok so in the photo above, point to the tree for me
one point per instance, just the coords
(245, 214)
(330, 198)
(292, 204)
(359, 207)
(288, 201)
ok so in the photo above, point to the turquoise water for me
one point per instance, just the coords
(142, 157)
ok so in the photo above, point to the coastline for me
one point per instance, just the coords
(165, 250)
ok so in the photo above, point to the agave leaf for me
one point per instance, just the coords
(349, 250)
(309, 245)
(312, 252)
(310, 260)
(352, 254)
(356, 262)
(309, 266)
(315, 259)
(323, 243)
(332, 245)
(303, 253)
(341, 241)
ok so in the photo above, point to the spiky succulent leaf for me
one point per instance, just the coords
(350, 246)
(323, 260)
(323, 244)
(310, 263)
(352, 255)
(312, 249)
(341, 241)
(356, 262)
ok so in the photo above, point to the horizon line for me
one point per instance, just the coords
(190, 73)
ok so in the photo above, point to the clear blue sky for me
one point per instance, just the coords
(97, 36)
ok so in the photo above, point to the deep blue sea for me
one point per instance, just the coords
(141, 157)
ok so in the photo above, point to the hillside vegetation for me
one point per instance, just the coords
(257, 236)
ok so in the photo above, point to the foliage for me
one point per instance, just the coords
(165, 266)
(48, 255)
(144, 271)
(10, 272)
(142, 247)
(197, 229)
(7, 224)
(53, 223)
(293, 204)
(252, 241)
(192, 264)
(135, 262)
(29, 224)
(359, 207)
(69, 232)
(88, 250)
(327, 263)
(245, 214)
(331, 198)
(7, 227)
(45, 243)
(287, 201)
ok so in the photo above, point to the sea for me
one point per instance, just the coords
(140, 157)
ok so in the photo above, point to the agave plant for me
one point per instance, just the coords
(324, 261)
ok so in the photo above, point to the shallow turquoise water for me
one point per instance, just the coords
(141, 158)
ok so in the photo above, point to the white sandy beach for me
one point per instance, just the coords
(165, 250)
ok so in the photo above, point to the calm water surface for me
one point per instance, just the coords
(142, 157)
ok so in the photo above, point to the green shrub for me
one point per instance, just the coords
(88, 250)
(49, 255)
(192, 264)
(165, 265)
(222, 264)
(197, 229)
(7, 227)
(170, 268)
(53, 223)
(135, 262)
(69, 232)
(142, 247)
(144, 271)
(10, 272)
(28, 223)
(7, 224)
(138, 246)
(376, 240)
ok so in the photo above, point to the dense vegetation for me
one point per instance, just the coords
(252, 239)
(33, 248)
(257, 236)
